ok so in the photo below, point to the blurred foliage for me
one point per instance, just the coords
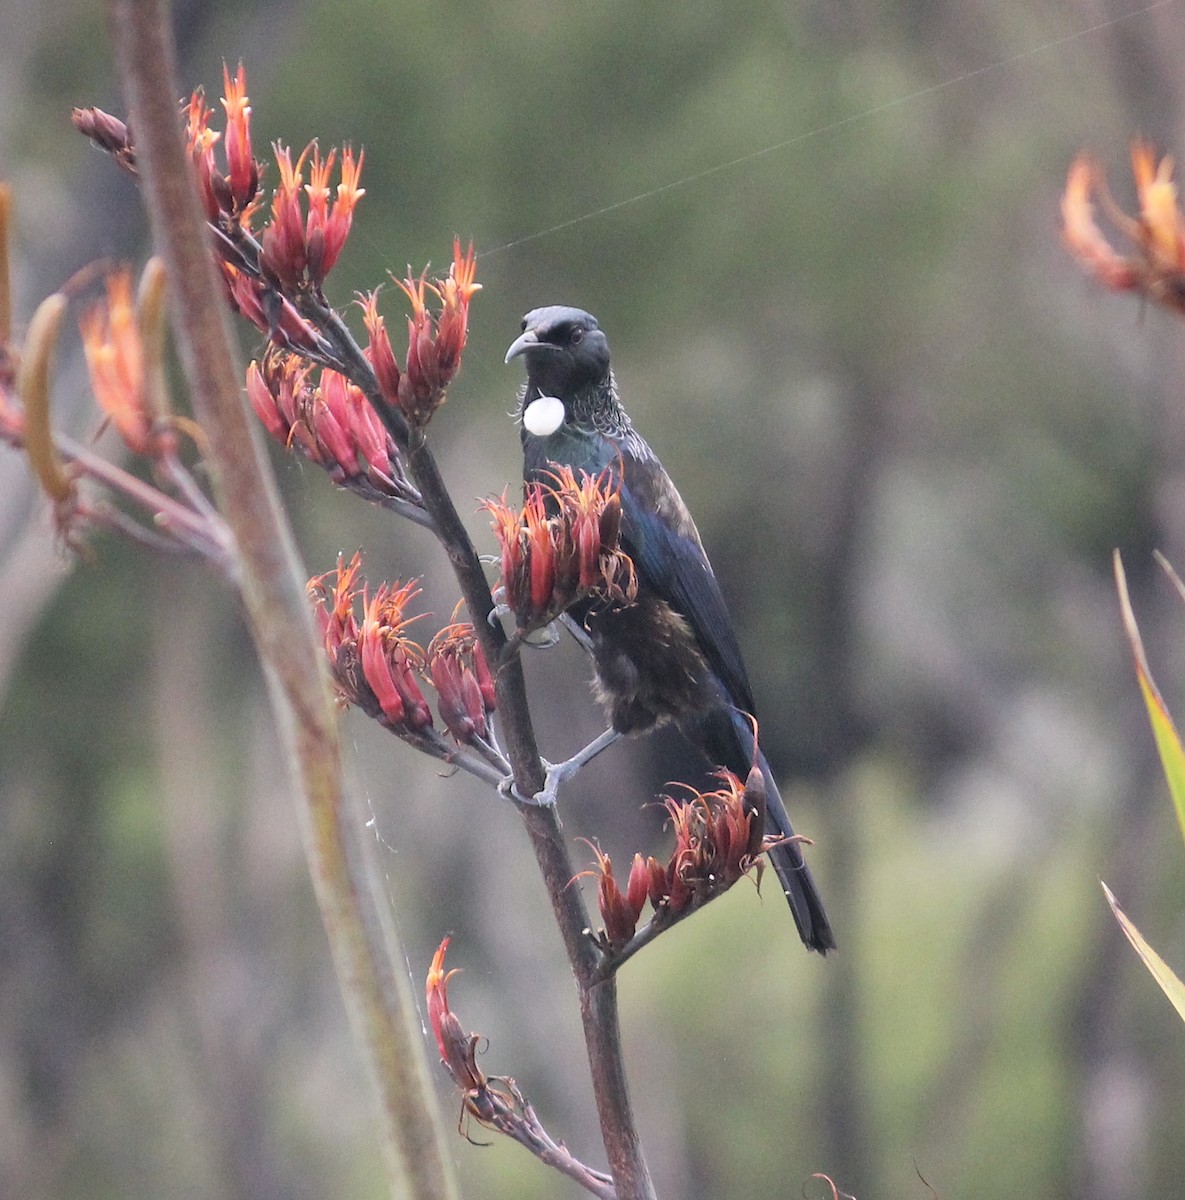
(911, 437)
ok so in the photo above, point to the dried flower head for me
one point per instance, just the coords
(718, 840)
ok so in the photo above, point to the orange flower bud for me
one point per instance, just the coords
(243, 170)
(379, 352)
(115, 360)
(458, 1050)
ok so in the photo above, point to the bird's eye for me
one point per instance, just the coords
(523, 325)
(577, 336)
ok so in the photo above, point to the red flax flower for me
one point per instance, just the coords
(373, 662)
(331, 422)
(619, 910)
(1157, 266)
(230, 195)
(563, 544)
(718, 840)
(434, 344)
(115, 361)
(458, 1049)
(379, 352)
(300, 249)
(461, 677)
(242, 170)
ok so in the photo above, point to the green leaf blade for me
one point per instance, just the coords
(1164, 975)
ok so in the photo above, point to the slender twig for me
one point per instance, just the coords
(201, 532)
(432, 742)
(373, 983)
(518, 1120)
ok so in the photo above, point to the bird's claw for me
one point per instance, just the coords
(543, 799)
(557, 775)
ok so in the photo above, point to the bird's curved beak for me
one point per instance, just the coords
(521, 344)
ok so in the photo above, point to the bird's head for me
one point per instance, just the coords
(566, 351)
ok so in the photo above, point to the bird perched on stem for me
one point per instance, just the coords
(671, 655)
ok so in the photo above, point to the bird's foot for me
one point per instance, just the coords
(559, 773)
(543, 799)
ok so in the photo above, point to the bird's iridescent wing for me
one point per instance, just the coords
(662, 539)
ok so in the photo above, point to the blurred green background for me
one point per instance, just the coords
(911, 434)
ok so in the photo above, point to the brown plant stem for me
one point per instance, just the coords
(376, 990)
(598, 996)
(597, 988)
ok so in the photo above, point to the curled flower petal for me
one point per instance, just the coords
(243, 170)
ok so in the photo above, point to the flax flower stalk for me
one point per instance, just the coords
(375, 988)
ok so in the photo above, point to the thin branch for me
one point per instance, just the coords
(517, 1119)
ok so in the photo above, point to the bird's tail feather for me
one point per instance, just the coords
(794, 875)
(729, 739)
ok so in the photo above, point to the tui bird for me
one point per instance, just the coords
(672, 655)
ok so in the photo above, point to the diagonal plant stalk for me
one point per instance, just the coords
(376, 991)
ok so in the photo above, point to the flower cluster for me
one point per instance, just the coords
(462, 679)
(274, 257)
(309, 222)
(330, 422)
(115, 359)
(564, 543)
(378, 668)
(718, 840)
(123, 341)
(1157, 268)
(434, 343)
(375, 665)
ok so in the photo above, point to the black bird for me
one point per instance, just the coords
(672, 656)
